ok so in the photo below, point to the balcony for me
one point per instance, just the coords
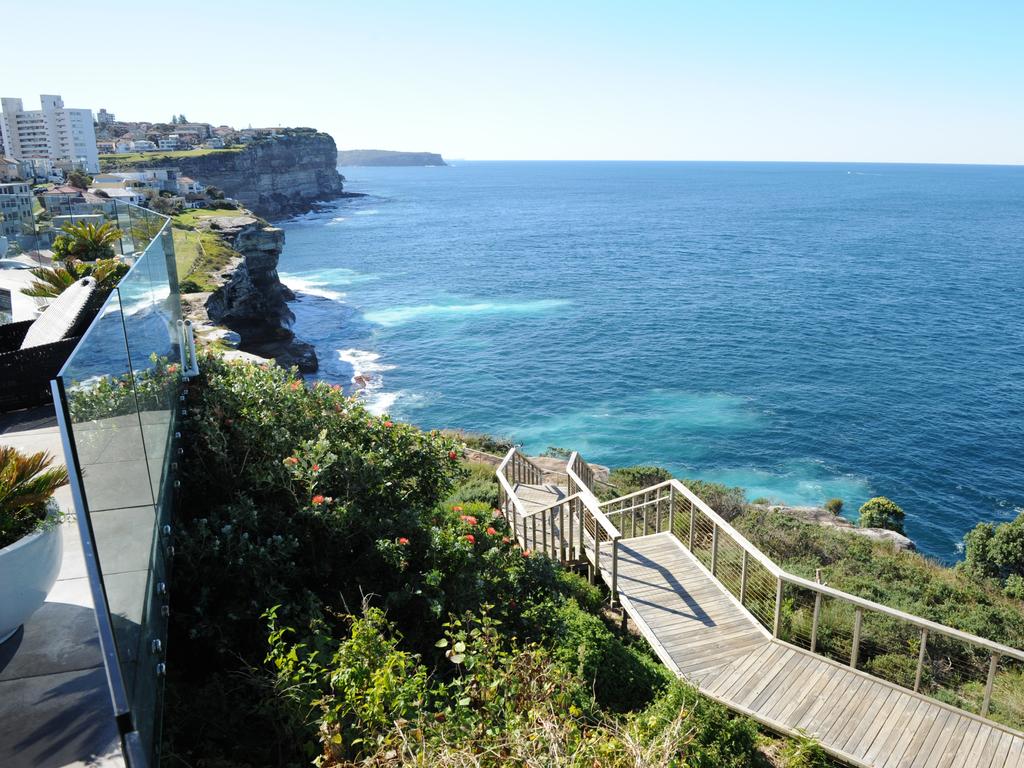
(82, 681)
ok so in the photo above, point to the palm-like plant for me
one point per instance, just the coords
(51, 281)
(87, 241)
(26, 484)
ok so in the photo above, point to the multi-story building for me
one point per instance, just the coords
(61, 135)
(105, 118)
(15, 209)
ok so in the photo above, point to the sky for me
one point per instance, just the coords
(823, 80)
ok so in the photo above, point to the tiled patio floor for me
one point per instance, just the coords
(55, 708)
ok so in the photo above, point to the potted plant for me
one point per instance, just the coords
(30, 541)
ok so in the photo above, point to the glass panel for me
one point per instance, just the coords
(122, 385)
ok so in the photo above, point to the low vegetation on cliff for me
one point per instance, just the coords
(336, 601)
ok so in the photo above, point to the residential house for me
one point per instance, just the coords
(214, 143)
(170, 143)
(187, 186)
(143, 145)
(10, 169)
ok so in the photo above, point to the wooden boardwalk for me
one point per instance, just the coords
(703, 633)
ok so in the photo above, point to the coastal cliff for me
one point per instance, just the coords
(277, 175)
(385, 157)
(252, 301)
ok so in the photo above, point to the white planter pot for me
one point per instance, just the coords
(28, 569)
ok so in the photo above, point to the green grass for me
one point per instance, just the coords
(199, 253)
(113, 162)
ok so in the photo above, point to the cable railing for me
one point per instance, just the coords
(971, 673)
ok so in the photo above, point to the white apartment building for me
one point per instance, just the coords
(16, 210)
(54, 132)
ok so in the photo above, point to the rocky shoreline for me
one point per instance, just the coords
(249, 311)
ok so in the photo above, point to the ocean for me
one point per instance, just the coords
(805, 331)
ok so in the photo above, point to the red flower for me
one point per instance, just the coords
(470, 538)
(291, 460)
(295, 385)
(456, 509)
(526, 553)
(491, 532)
(172, 368)
(402, 541)
(336, 387)
(389, 423)
(316, 467)
(468, 519)
(318, 499)
(505, 540)
(453, 455)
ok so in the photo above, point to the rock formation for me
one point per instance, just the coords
(253, 302)
(388, 157)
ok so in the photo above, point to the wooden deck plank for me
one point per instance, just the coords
(957, 753)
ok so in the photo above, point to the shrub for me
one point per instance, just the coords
(997, 551)
(728, 501)
(881, 512)
(835, 506)
(626, 480)
(86, 241)
(803, 752)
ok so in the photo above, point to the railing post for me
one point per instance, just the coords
(583, 543)
(777, 623)
(533, 529)
(657, 511)
(615, 571)
(743, 577)
(571, 540)
(544, 534)
(645, 515)
(693, 513)
(920, 659)
(672, 510)
(596, 572)
(858, 617)
(714, 548)
(814, 622)
(993, 664)
(562, 550)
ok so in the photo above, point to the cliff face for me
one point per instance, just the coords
(273, 176)
(388, 157)
(253, 300)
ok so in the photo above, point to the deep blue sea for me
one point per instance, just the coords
(801, 330)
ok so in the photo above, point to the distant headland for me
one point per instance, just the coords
(387, 157)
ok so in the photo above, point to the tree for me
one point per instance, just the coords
(881, 512)
(79, 180)
(52, 281)
(182, 120)
(86, 241)
(997, 552)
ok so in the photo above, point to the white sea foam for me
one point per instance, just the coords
(367, 212)
(363, 362)
(401, 315)
(311, 286)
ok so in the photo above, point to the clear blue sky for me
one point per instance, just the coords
(895, 81)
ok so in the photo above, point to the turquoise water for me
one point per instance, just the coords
(801, 330)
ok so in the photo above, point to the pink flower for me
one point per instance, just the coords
(402, 541)
(295, 385)
(505, 540)
(389, 423)
(316, 467)
(291, 460)
(526, 553)
(496, 513)
(318, 499)
(491, 532)
(336, 387)
(468, 519)
(470, 538)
